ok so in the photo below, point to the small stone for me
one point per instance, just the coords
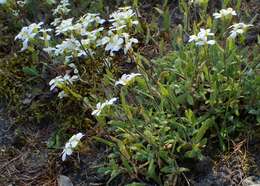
(251, 181)
(64, 181)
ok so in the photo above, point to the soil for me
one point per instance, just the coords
(26, 160)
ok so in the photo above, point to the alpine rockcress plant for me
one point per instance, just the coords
(85, 37)
(157, 119)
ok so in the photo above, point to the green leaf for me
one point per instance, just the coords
(190, 99)
(114, 174)
(151, 169)
(101, 140)
(202, 130)
(159, 10)
(31, 71)
(123, 149)
(135, 184)
(54, 141)
(50, 2)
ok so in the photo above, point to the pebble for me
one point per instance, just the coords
(64, 181)
(251, 181)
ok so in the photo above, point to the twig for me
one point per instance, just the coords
(9, 162)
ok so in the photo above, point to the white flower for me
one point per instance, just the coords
(62, 95)
(73, 66)
(128, 42)
(204, 33)
(238, 28)
(62, 80)
(101, 106)
(70, 79)
(86, 22)
(68, 46)
(103, 41)
(21, 3)
(122, 17)
(64, 27)
(27, 33)
(88, 19)
(55, 82)
(115, 44)
(71, 145)
(62, 8)
(202, 37)
(193, 38)
(126, 78)
(56, 21)
(49, 50)
(46, 36)
(224, 13)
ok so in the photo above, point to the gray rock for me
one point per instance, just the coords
(251, 181)
(64, 181)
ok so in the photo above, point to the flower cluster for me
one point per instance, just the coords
(122, 18)
(28, 33)
(202, 38)
(126, 78)
(60, 81)
(101, 106)
(89, 32)
(82, 38)
(71, 145)
(225, 13)
(238, 28)
(62, 8)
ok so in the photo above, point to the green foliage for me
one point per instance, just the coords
(191, 96)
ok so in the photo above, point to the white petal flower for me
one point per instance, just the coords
(62, 95)
(55, 82)
(211, 42)
(46, 36)
(68, 46)
(193, 38)
(103, 41)
(71, 145)
(126, 78)
(122, 17)
(98, 110)
(49, 50)
(115, 44)
(66, 152)
(64, 27)
(225, 13)
(101, 106)
(62, 8)
(128, 42)
(112, 101)
(202, 38)
(56, 21)
(28, 33)
(238, 29)
(62, 80)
